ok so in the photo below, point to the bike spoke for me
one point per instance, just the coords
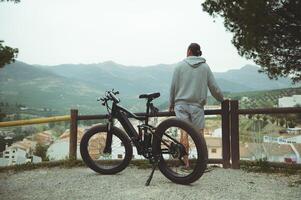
(178, 150)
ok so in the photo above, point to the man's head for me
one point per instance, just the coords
(194, 49)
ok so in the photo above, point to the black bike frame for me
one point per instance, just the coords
(122, 115)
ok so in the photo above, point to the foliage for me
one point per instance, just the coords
(272, 120)
(298, 115)
(7, 54)
(3, 142)
(15, 1)
(41, 151)
(264, 118)
(30, 166)
(267, 31)
(2, 115)
(291, 124)
(58, 128)
(263, 166)
(282, 122)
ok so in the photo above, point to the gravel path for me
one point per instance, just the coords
(82, 183)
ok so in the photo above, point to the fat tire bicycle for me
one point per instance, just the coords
(161, 145)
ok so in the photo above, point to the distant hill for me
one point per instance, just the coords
(137, 79)
(249, 78)
(41, 88)
(77, 85)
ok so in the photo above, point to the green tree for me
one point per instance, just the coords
(17, 116)
(41, 151)
(7, 54)
(16, 1)
(298, 115)
(291, 124)
(59, 129)
(281, 122)
(2, 115)
(267, 31)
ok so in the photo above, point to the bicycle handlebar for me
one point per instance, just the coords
(109, 95)
(112, 96)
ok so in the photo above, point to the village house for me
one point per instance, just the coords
(214, 146)
(16, 154)
(272, 152)
(289, 101)
(59, 149)
(279, 152)
(43, 138)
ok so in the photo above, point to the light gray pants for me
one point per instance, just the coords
(191, 113)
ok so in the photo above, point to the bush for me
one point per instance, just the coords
(282, 122)
(41, 151)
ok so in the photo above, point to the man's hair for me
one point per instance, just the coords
(195, 49)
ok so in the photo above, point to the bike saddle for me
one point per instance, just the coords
(149, 96)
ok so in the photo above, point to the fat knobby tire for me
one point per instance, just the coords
(89, 161)
(201, 162)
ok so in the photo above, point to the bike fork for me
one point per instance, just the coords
(108, 146)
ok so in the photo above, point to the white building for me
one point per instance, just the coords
(291, 145)
(289, 101)
(14, 155)
(294, 131)
(59, 150)
(280, 152)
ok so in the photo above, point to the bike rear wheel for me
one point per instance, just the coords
(112, 161)
(182, 151)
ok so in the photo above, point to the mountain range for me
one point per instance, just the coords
(66, 86)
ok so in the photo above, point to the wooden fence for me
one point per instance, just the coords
(230, 127)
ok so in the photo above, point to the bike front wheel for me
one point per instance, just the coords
(102, 156)
(182, 151)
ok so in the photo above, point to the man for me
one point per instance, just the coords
(188, 93)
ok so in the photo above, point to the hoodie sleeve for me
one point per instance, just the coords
(173, 88)
(213, 87)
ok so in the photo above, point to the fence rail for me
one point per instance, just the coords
(35, 121)
(230, 127)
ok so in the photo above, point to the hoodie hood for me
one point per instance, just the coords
(194, 61)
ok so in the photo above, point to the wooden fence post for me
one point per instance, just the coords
(226, 134)
(73, 134)
(234, 119)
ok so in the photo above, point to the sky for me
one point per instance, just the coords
(129, 32)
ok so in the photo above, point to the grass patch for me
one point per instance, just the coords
(48, 164)
(141, 164)
(264, 166)
(66, 163)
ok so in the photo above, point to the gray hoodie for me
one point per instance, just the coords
(190, 82)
